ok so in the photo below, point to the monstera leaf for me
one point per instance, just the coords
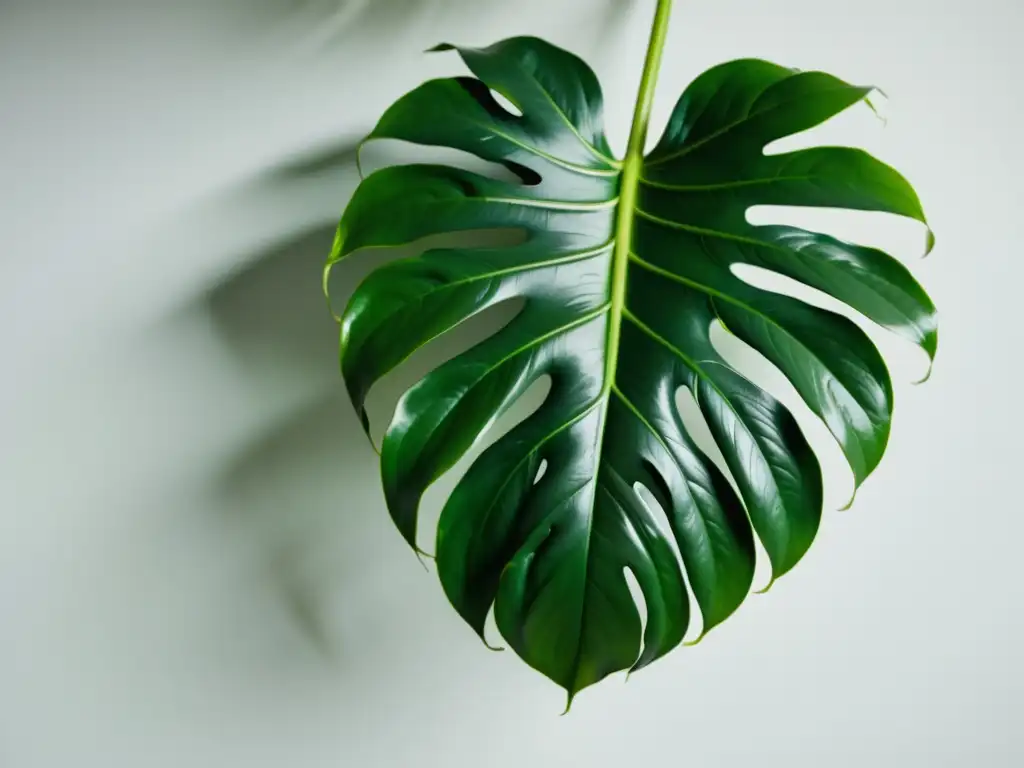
(624, 268)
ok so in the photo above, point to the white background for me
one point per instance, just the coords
(196, 568)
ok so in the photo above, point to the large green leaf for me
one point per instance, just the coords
(624, 268)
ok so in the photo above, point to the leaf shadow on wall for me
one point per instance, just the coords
(333, 22)
(306, 488)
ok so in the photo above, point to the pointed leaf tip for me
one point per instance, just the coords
(364, 419)
(875, 108)
(929, 242)
(695, 641)
(849, 503)
(927, 374)
(489, 647)
(423, 557)
(568, 703)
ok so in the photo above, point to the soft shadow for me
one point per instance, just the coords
(333, 158)
(273, 315)
(326, 24)
(300, 495)
(297, 492)
(303, 491)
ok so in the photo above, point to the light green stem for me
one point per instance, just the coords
(630, 183)
(649, 78)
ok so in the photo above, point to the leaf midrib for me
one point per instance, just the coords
(624, 219)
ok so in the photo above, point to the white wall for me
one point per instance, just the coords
(196, 568)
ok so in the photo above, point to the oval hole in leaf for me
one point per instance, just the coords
(526, 176)
(541, 470)
(506, 104)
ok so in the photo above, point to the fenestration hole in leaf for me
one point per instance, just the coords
(748, 362)
(348, 274)
(436, 495)
(384, 395)
(527, 176)
(904, 238)
(773, 282)
(699, 431)
(696, 627)
(906, 360)
(505, 103)
(383, 153)
(639, 601)
(541, 471)
(488, 99)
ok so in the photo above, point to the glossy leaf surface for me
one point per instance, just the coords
(624, 268)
